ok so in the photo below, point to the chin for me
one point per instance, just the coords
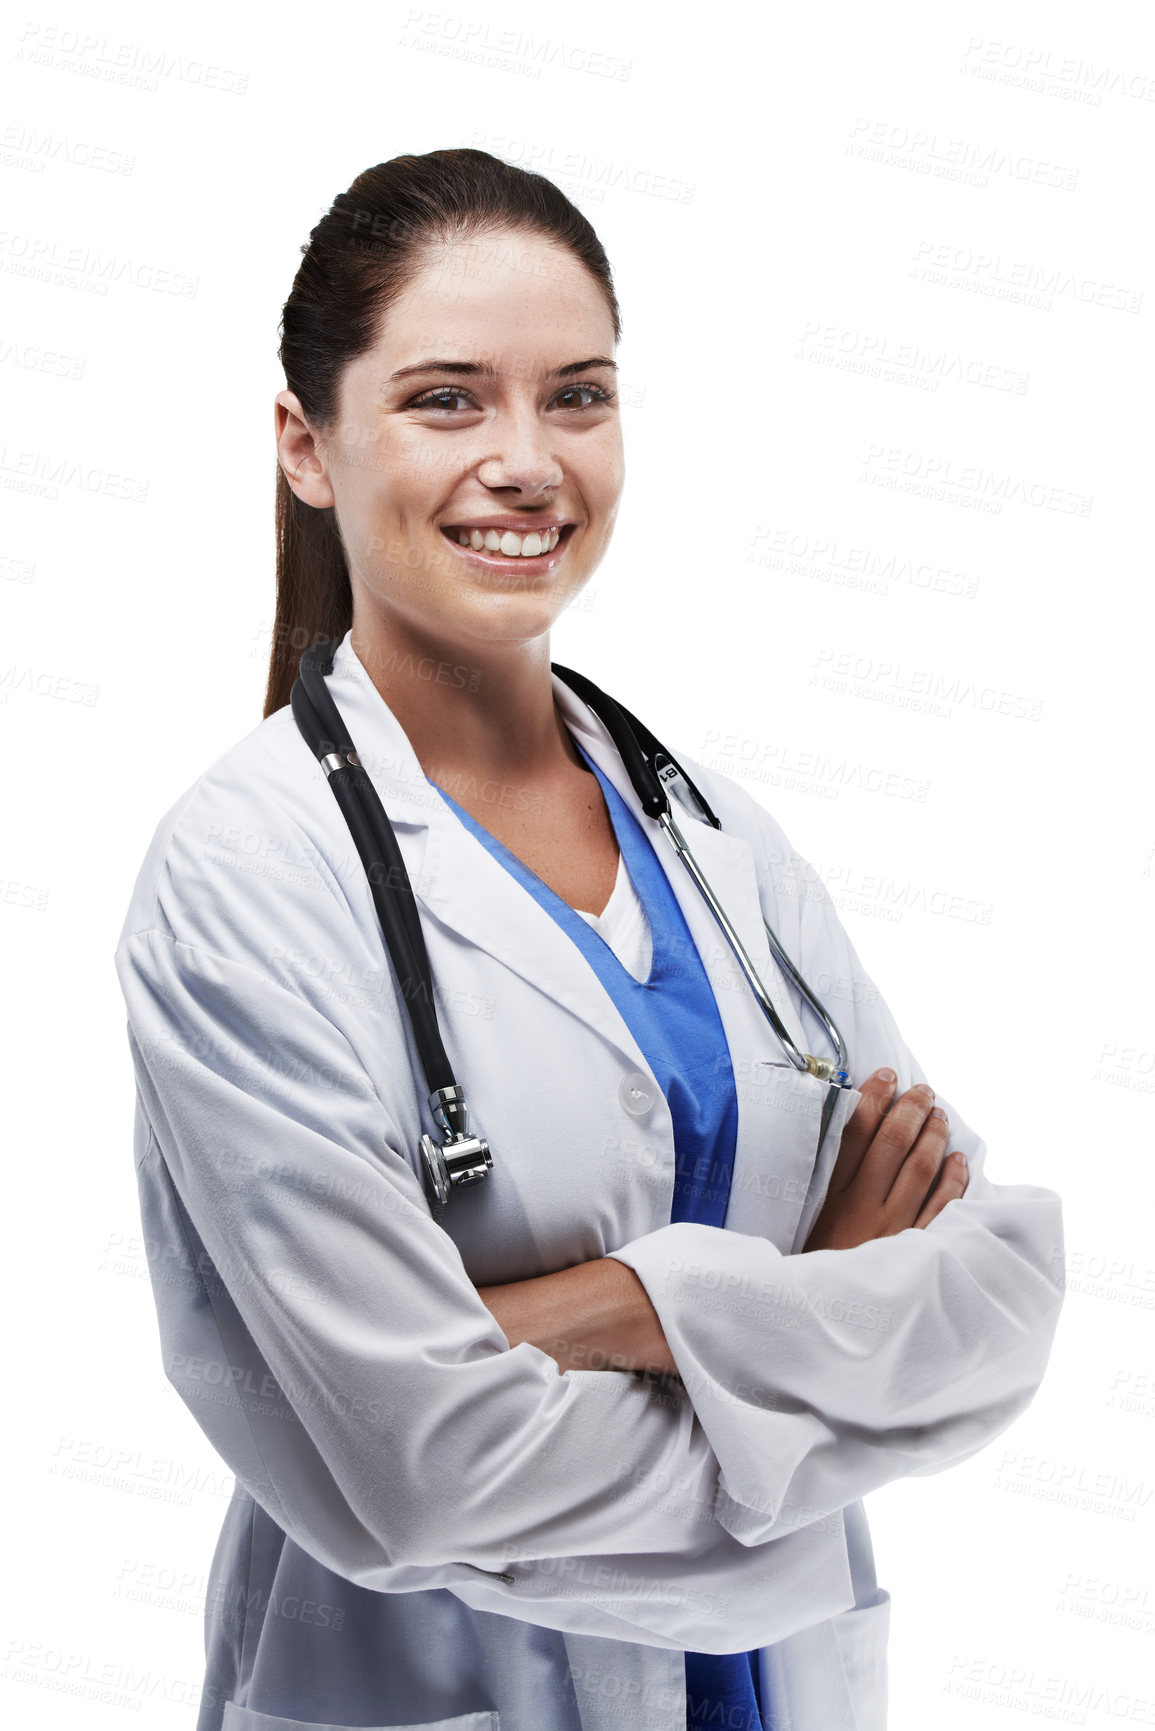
(517, 624)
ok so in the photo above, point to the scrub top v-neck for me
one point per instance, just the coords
(674, 1019)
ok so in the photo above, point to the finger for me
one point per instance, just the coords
(873, 1105)
(861, 1127)
(919, 1170)
(953, 1179)
(893, 1141)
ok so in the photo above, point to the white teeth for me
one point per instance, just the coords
(526, 546)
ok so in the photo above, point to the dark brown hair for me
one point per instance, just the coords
(362, 255)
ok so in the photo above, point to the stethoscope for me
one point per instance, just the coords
(462, 1158)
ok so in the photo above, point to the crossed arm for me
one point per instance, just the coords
(598, 1315)
(595, 1316)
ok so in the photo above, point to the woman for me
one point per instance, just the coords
(587, 1446)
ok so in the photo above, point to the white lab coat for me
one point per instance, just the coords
(394, 1457)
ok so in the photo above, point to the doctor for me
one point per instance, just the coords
(586, 1451)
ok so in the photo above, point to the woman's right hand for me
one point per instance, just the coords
(889, 1157)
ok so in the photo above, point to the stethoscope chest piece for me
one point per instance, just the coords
(461, 1158)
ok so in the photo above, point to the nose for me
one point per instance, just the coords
(522, 459)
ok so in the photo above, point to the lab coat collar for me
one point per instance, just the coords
(382, 744)
(487, 906)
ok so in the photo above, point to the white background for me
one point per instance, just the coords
(886, 277)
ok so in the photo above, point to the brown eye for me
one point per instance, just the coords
(593, 391)
(439, 400)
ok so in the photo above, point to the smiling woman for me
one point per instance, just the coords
(489, 502)
(595, 1443)
(526, 432)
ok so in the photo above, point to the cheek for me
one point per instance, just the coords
(607, 500)
(611, 472)
(402, 470)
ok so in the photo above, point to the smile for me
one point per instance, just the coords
(501, 547)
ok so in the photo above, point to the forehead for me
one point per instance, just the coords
(496, 296)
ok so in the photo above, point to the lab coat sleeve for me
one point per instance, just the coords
(820, 1376)
(324, 1332)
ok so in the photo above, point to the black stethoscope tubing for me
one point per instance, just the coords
(319, 720)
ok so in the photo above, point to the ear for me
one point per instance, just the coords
(300, 453)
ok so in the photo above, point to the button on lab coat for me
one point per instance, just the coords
(429, 1527)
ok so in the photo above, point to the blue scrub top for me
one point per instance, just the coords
(674, 1019)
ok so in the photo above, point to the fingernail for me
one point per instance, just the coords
(961, 1160)
(937, 1112)
(924, 1088)
(884, 1076)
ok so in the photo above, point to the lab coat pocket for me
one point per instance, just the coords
(862, 1634)
(247, 1719)
(780, 1177)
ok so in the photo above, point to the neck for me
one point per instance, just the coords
(488, 715)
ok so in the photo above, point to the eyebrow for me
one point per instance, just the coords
(476, 369)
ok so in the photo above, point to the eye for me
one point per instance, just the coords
(439, 400)
(594, 391)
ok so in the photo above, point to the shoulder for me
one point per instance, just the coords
(778, 862)
(804, 916)
(254, 827)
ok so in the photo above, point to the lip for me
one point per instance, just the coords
(519, 525)
(535, 565)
